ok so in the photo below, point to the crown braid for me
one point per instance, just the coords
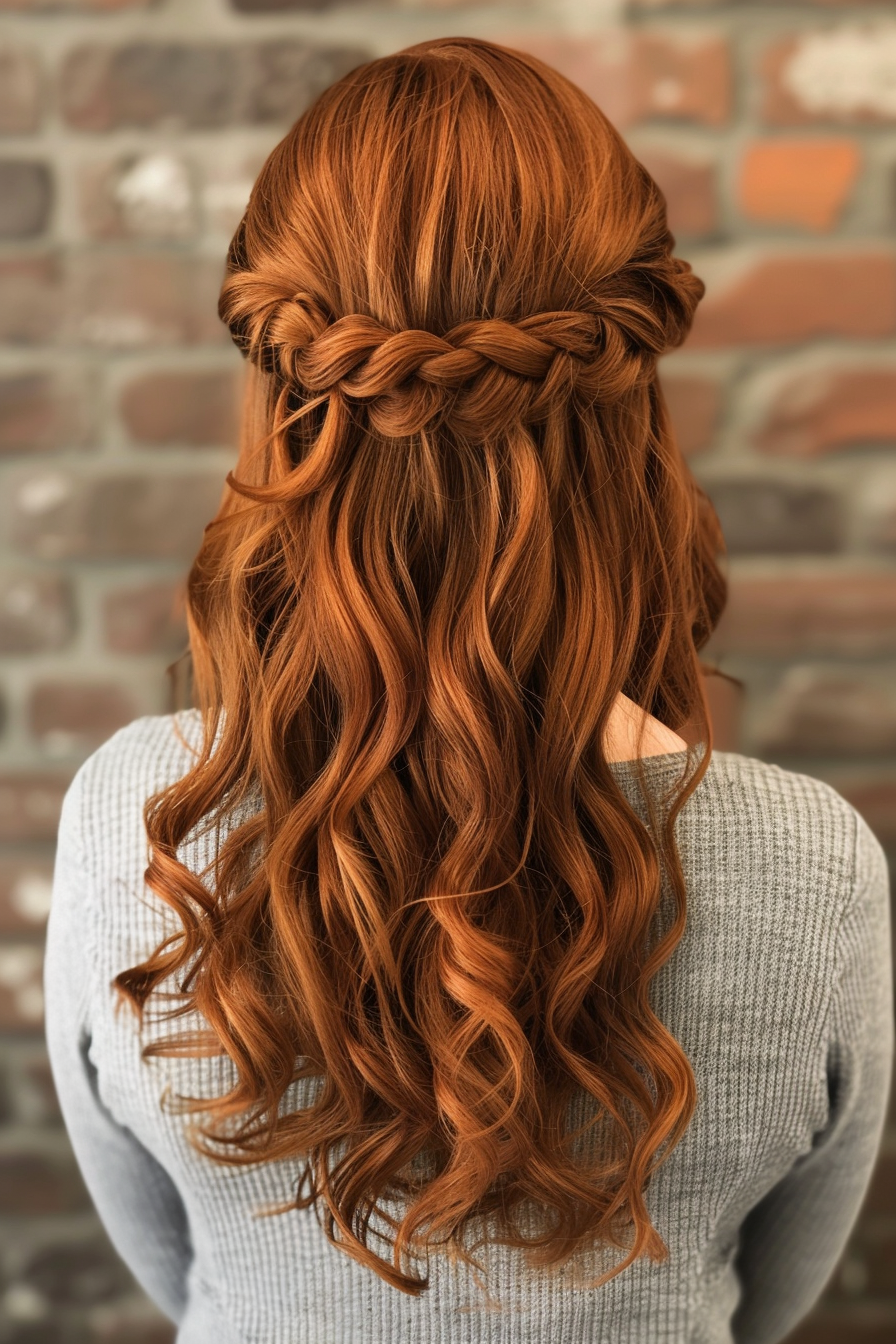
(482, 374)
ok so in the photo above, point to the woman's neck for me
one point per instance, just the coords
(620, 738)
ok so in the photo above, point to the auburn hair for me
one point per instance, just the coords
(459, 526)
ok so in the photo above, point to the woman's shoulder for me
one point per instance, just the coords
(137, 761)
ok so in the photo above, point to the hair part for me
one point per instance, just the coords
(458, 528)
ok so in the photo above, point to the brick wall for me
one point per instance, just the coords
(131, 132)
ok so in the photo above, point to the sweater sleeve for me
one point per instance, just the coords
(134, 1196)
(792, 1240)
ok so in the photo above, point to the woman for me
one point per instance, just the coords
(405, 1035)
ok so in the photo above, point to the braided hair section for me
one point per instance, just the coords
(480, 376)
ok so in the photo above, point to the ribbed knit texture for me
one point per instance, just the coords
(780, 993)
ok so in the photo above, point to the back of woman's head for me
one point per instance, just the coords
(459, 527)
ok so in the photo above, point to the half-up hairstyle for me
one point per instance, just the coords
(458, 528)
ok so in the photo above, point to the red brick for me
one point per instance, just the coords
(76, 716)
(41, 1182)
(689, 186)
(780, 300)
(821, 712)
(781, 614)
(146, 300)
(199, 408)
(145, 618)
(636, 76)
(840, 74)
(59, 515)
(36, 612)
(801, 182)
(828, 409)
(30, 804)
(20, 91)
(24, 893)
(21, 987)
(197, 86)
(31, 299)
(41, 411)
(138, 196)
(695, 406)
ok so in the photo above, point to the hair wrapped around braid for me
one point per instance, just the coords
(458, 529)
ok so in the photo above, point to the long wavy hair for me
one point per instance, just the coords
(459, 527)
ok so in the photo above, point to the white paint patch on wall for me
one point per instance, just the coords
(155, 195)
(846, 70)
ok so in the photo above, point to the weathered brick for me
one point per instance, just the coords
(779, 300)
(689, 186)
(145, 618)
(138, 196)
(801, 182)
(36, 612)
(21, 987)
(636, 76)
(146, 300)
(44, 410)
(26, 198)
(111, 300)
(226, 181)
(58, 515)
(137, 1323)
(35, 1182)
(76, 1273)
(820, 711)
(199, 408)
(31, 299)
(695, 405)
(850, 613)
(25, 885)
(777, 517)
(199, 86)
(841, 73)
(75, 716)
(30, 804)
(828, 409)
(35, 1099)
(20, 91)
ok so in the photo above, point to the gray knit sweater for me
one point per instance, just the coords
(779, 992)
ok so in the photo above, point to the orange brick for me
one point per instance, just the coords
(639, 76)
(780, 300)
(805, 182)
